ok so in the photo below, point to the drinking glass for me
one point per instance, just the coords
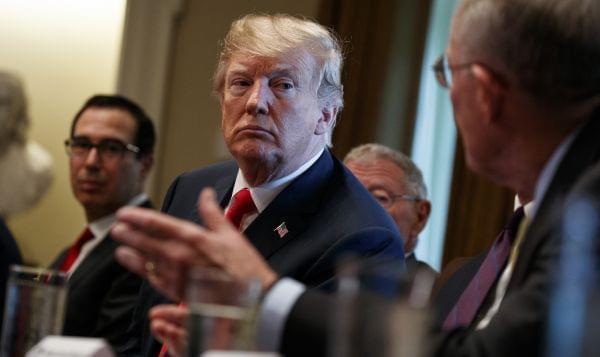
(222, 312)
(379, 310)
(34, 308)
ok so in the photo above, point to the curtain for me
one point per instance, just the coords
(375, 35)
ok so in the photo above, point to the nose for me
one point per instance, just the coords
(259, 99)
(93, 158)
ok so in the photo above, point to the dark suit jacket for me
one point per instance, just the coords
(9, 254)
(102, 294)
(327, 212)
(412, 264)
(519, 327)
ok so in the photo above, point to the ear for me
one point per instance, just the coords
(327, 120)
(147, 162)
(423, 211)
(490, 92)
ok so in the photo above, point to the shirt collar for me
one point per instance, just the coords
(102, 226)
(264, 194)
(528, 209)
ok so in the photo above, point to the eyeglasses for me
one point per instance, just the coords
(443, 70)
(108, 149)
(387, 200)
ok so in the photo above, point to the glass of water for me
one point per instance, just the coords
(34, 308)
(222, 312)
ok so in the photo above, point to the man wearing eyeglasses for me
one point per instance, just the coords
(397, 184)
(110, 152)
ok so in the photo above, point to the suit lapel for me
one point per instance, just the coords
(584, 151)
(97, 257)
(287, 216)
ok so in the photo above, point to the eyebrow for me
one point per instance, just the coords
(278, 71)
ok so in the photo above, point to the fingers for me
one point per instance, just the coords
(131, 260)
(167, 323)
(132, 236)
(155, 224)
(210, 211)
(175, 314)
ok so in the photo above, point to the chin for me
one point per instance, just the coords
(252, 152)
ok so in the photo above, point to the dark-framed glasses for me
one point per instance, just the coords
(443, 70)
(107, 149)
(387, 200)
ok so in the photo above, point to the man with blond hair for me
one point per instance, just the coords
(278, 83)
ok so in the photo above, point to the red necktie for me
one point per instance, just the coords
(75, 249)
(465, 310)
(241, 205)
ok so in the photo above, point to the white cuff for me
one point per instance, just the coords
(274, 310)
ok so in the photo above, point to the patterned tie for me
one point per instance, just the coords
(75, 249)
(465, 310)
(241, 205)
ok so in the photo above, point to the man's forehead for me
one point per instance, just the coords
(295, 62)
(101, 120)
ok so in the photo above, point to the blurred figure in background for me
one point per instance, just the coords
(25, 169)
(397, 184)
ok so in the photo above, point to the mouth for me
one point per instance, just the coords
(254, 131)
(89, 185)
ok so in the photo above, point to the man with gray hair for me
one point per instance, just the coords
(524, 82)
(278, 83)
(397, 184)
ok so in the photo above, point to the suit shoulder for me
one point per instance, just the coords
(213, 171)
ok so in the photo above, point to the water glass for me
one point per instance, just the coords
(34, 308)
(222, 312)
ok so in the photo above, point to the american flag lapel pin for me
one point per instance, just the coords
(281, 230)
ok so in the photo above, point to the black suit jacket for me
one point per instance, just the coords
(519, 327)
(102, 294)
(326, 210)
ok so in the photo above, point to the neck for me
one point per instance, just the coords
(93, 213)
(257, 173)
(533, 139)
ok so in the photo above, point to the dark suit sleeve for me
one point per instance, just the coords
(517, 329)
(116, 308)
(377, 248)
(138, 340)
(519, 326)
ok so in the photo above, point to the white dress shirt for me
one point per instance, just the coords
(264, 194)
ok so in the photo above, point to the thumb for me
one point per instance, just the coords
(210, 212)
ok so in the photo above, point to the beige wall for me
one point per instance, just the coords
(65, 50)
(190, 130)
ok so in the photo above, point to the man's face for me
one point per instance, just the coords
(482, 143)
(100, 184)
(270, 112)
(386, 181)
